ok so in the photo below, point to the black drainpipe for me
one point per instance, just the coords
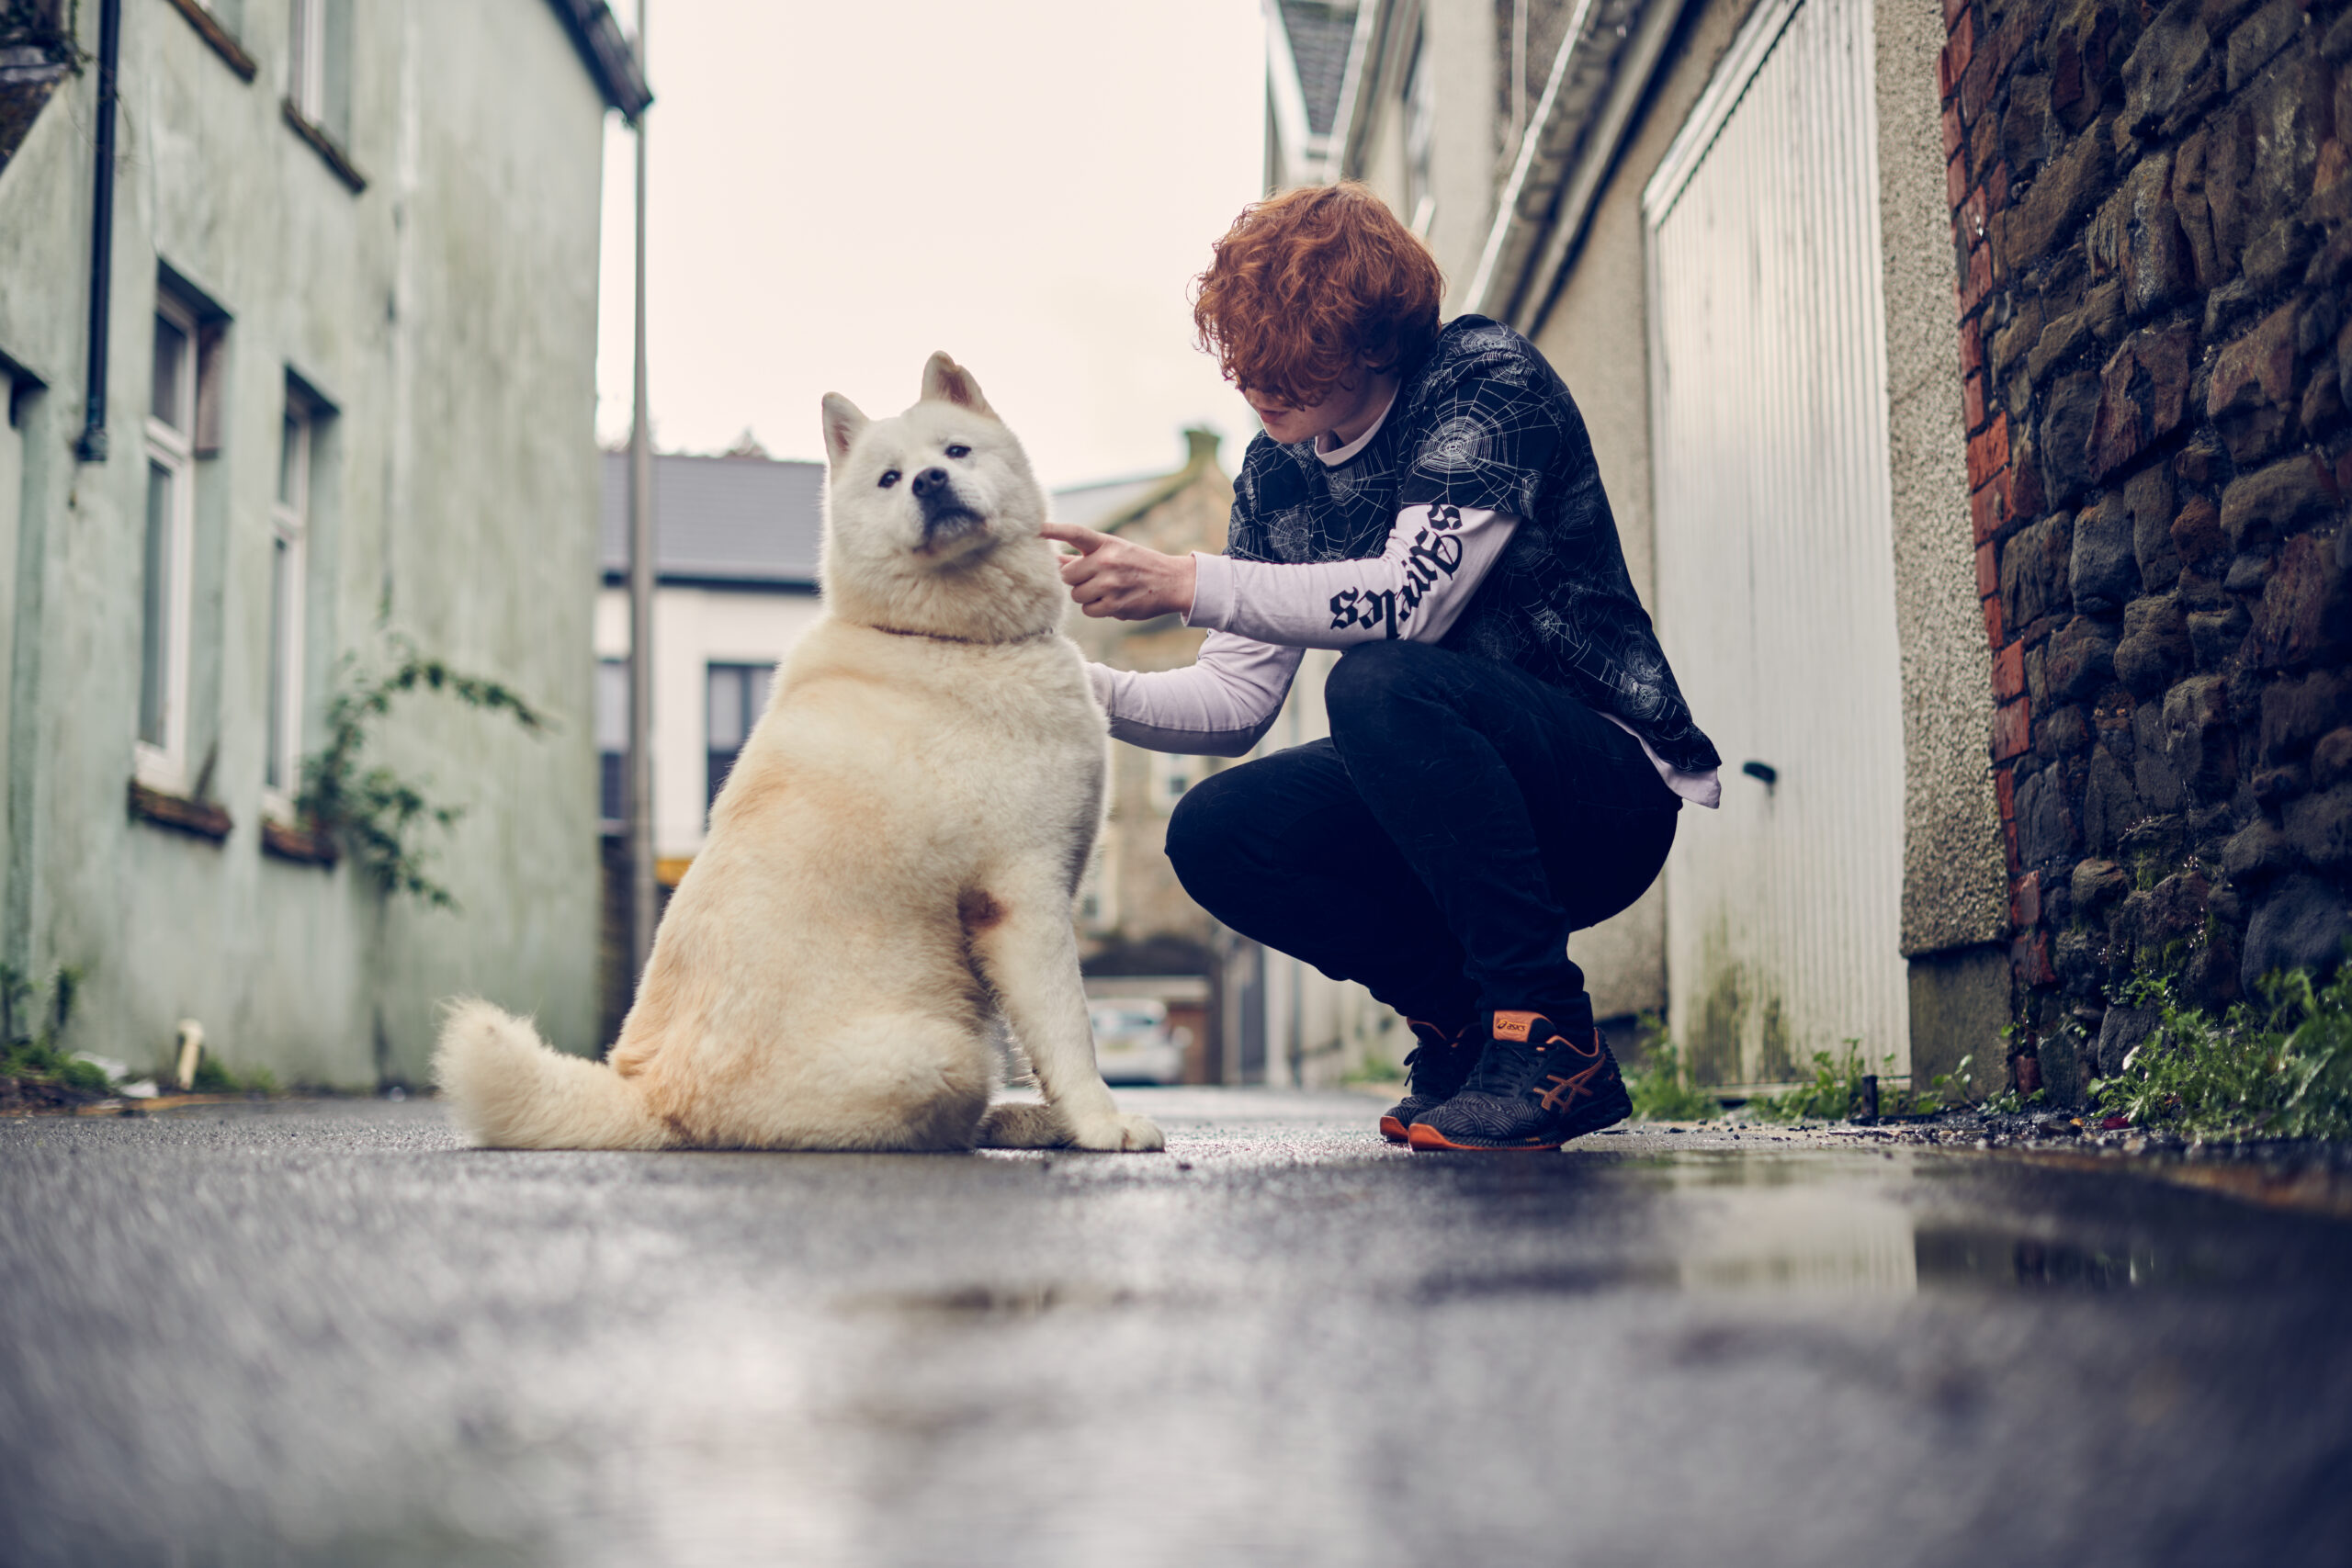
(92, 446)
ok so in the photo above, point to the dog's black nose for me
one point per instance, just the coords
(929, 480)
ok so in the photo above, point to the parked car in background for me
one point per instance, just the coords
(1133, 1043)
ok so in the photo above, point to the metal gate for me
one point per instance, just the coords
(1775, 551)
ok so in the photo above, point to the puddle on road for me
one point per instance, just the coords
(1913, 1224)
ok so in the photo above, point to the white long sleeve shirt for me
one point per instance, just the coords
(1262, 615)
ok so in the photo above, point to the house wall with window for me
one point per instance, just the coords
(349, 392)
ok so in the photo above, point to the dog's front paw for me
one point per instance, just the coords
(1122, 1134)
(1018, 1125)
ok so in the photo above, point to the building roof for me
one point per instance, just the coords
(1105, 500)
(1319, 32)
(1108, 505)
(608, 55)
(723, 520)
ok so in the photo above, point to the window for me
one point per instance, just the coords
(1171, 775)
(736, 695)
(612, 743)
(1098, 888)
(1420, 124)
(160, 752)
(318, 65)
(289, 577)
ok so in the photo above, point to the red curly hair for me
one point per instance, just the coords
(1308, 285)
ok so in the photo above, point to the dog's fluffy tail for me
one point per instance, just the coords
(509, 1090)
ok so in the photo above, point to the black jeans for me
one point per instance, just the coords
(1461, 820)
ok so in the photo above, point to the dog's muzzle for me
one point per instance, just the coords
(944, 516)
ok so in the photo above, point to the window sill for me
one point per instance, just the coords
(323, 145)
(223, 42)
(197, 819)
(303, 846)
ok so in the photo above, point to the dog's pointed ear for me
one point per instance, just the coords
(842, 421)
(944, 381)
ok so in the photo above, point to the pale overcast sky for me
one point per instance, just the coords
(838, 190)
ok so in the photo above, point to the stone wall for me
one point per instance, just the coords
(2153, 222)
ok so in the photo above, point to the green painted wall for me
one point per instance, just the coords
(448, 310)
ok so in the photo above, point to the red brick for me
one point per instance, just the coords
(1951, 131)
(1972, 394)
(1955, 12)
(1984, 512)
(2004, 794)
(1992, 634)
(1955, 184)
(1971, 349)
(2008, 672)
(1988, 571)
(2024, 902)
(1960, 47)
(1979, 281)
(2030, 960)
(1988, 453)
(1996, 187)
(2012, 730)
(1976, 85)
(1970, 217)
(2009, 843)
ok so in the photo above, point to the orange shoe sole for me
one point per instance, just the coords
(1426, 1139)
(1394, 1130)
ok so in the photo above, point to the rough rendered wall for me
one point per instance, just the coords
(1954, 884)
(2153, 216)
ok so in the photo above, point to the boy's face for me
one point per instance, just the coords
(1343, 412)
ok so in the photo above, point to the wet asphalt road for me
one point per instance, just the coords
(324, 1333)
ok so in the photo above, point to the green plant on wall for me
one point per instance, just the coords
(31, 1029)
(375, 815)
(1658, 1087)
(2281, 1071)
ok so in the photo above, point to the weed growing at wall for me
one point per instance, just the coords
(1657, 1086)
(2283, 1071)
(1843, 1086)
(376, 815)
(30, 1030)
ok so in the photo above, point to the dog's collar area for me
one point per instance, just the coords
(968, 641)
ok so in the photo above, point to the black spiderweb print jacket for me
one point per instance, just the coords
(1484, 421)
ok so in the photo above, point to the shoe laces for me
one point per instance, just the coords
(1509, 1066)
(1434, 1043)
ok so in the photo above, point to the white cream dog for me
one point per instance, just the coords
(891, 864)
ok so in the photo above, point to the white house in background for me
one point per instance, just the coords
(735, 549)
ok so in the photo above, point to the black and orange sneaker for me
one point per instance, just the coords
(1438, 1066)
(1536, 1086)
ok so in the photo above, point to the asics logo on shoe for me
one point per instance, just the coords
(1514, 1025)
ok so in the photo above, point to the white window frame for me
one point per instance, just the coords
(289, 530)
(306, 59)
(172, 448)
(1170, 774)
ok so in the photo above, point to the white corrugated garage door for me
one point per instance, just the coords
(1776, 573)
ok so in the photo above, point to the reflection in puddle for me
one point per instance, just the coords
(1815, 1224)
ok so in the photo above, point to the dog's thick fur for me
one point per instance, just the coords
(891, 863)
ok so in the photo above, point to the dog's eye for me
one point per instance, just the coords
(889, 477)
(959, 450)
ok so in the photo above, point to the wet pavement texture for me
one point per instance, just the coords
(326, 1332)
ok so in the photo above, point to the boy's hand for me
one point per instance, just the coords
(1117, 578)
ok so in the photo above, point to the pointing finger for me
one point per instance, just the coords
(1086, 540)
